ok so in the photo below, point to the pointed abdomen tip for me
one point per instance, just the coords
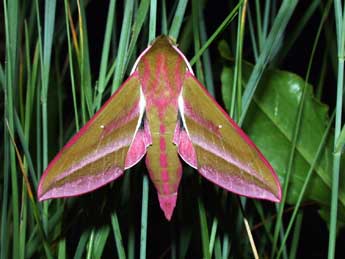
(167, 203)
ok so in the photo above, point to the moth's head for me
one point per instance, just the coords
(162, 45)
(164, 39)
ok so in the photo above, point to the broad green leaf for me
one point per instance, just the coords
(270, 122)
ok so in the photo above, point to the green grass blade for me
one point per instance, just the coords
(90, 245)
(123, 44)
(261, 36)
(118, 236)
(217, 249)
(340, 29)
(105, 53)
(71, 69)
(11, 16)
(296, 236)
(100, 239)
(139, 20)
(340, 141)
(144, 212)
(49, 20)
(62, 249)
(205, 240)
(4, 232)
(29, 104)
(152, 25)
(23, 142)
(131, 242)
(178, 19)
(13, 23)
(81, 245)
(237, 88)
(84, 66)
(254, 44)
(226, 247)
(266, 19)
(38, 136)
(213, 235)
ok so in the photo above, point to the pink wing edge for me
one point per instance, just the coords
(135, 153)
(188, 154)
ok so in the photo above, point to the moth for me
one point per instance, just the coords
(161, 112)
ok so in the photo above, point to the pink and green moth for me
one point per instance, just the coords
(161, 111)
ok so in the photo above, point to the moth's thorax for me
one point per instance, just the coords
(162, 72)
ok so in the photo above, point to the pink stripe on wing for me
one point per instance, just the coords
(218, 151)
(83, 184)
(97, 154)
